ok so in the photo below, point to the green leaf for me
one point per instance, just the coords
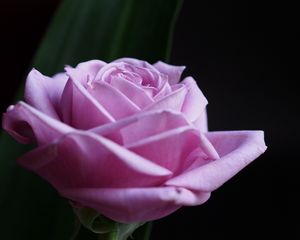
(81, 30)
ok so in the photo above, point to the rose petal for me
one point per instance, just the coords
(129, 205)
(153, 82)
(135, 93)
(164, 90)
(137, 63)
(172, 149)
(173, 72)
(44, 93)
(173, 101)
(195, 102)
(168, 149)
(85, 71)
(59, 81)
(84, 159)
(116, 102)
(27, 124)
(129, 80)
(92, 67)
(80, 110)
(236, 149)
(141, 125)
(151, 125)
(201, 122)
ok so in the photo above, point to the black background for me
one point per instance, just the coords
(242, 55)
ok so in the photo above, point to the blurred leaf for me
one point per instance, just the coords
(107, 29)
(81, 30)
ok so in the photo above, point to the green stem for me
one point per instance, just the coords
(108, 236)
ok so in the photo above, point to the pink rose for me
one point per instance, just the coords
(126, 138)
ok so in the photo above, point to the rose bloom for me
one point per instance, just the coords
(126, 138)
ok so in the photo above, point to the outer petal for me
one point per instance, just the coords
(171, 149)
(173, 72)
(110, 98)
(130, 205)
(84, 159)
(80, 110)
(44, 93)
(195, 102)
(236, 149)
(28, 124)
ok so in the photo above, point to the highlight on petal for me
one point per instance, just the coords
(173, 72)
(80, 110)
(129, 205)
(236, 149)
(84, 159)
(27, 124)
(44, 93)
(195, 102)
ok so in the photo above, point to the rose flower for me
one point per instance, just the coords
(126, 138)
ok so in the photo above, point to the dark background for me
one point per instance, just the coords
(241, 54)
